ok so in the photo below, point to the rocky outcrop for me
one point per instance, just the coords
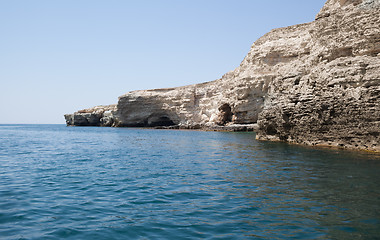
(96, 116)
(316, 83)
(334, 99)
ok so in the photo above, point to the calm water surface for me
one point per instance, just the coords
(112, 183)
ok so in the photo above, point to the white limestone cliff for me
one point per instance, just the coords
(316, 83)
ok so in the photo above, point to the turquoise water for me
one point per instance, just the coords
(115, 183)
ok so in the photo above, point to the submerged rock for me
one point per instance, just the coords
(316, 83)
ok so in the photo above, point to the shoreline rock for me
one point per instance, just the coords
(316, 83)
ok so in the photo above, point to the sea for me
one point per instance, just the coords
(59, 182)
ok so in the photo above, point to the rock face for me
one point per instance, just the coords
(333, 97)
(316, 83)
(96, 116)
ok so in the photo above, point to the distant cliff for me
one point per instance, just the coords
(316, 83)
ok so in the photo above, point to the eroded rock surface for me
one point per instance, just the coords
(316, 83)
(96, 116)
(335, 97)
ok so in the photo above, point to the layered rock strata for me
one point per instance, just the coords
(316, 83)
(333, 98)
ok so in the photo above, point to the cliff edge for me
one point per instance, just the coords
(316, 83)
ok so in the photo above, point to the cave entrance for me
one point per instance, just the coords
(158, 121)
(225, 114)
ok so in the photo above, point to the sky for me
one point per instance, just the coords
(57, 57)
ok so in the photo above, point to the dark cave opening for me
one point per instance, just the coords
(159, 121)
(225, 114)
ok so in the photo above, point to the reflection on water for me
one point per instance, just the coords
(106, 183)
(332, 192)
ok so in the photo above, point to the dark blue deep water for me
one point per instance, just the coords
(61, 182)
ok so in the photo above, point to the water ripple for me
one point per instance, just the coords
(105, 183)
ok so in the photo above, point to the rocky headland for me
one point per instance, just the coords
(316, 83)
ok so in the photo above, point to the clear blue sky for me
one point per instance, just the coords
(57, 57)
